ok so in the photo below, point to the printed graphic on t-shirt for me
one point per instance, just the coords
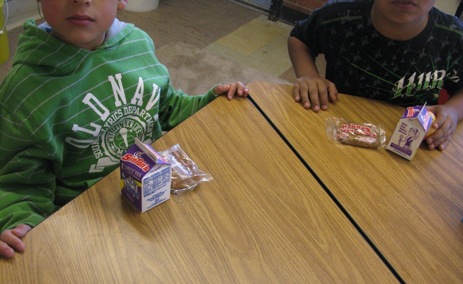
(115, 130)
(397, 74)
(363, 62)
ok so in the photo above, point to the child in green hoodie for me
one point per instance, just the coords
(83, 86)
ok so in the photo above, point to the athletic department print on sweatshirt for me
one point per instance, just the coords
(116, 130)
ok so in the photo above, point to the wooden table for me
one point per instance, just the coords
(263, 219)
(410, 210)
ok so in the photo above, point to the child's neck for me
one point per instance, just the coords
(398, 31)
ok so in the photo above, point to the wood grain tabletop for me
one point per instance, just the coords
(262, 219)
(410, 210)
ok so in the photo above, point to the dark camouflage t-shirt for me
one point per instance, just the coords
(362, 62)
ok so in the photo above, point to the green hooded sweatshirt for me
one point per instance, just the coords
(67, 115)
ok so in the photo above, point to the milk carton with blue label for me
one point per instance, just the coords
(145, 177)
(410, 131)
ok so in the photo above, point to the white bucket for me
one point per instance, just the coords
(141, 5)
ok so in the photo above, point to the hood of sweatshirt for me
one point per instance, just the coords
(37, 46)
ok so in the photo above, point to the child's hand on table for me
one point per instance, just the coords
(10, 240)
(314, 92)
(231, 90)
(445, 124)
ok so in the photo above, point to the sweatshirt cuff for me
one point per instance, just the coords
(211, 93)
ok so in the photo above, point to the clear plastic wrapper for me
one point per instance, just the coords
(366, 135)
(185, 173)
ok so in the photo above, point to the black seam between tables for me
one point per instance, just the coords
(330, 194)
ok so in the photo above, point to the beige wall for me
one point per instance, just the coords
(448, 6)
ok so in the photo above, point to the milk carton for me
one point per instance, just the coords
(145, 177)
(410, 131)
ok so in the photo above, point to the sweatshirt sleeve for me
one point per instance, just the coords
(176, 106)
(27, 180)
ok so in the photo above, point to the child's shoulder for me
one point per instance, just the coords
(446, 22)
(337, 12)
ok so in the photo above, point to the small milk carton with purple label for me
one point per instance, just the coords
(145, 177)
(410, 131)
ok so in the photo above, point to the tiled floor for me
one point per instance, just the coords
(260, 44)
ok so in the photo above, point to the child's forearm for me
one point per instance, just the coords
(302, 61)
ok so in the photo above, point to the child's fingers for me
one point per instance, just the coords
(332, 92)
(220, 89)
(12, 241)
(5, 250)
(231, 91)
(21, 230)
